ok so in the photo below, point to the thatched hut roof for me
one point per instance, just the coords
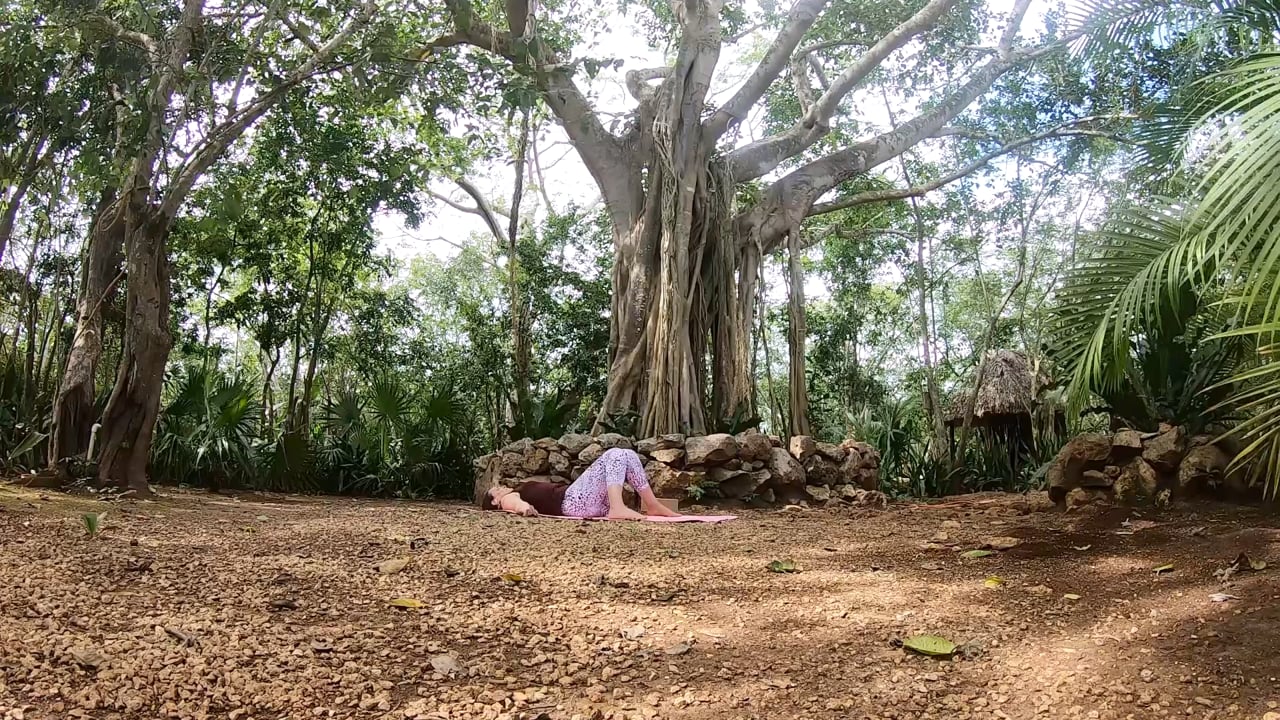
(1007, 391)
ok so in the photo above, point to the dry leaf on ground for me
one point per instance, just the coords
(394, 565)
(445, 664)
(931, 645)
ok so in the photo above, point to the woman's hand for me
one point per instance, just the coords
(528, 511)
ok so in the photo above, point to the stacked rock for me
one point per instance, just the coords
(745, 466)
(1132, 467)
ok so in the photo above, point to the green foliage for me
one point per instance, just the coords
(92, 523)
(394, 439)
(22, 434)
(208, 431)
(1138, 329)
(550, 416)
(1220, 243)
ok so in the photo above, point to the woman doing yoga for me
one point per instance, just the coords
(596, 493)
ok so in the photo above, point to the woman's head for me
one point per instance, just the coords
(491, 497)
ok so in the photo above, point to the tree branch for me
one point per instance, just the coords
(637, 82)
(303, 34)
(226, 133)
(1010, 33)
(795, 192)
(823, 81)
(759, 158)
(484, 210)
(608, 161)
(875, 196)
(132, 37)
(800, 80)
(468, 209)
(799, 20)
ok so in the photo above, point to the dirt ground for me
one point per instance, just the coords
(206, 606)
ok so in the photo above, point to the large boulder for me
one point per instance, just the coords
(785, 472)
(821, 471)
(512, 464)
(608, 441)
(1097, 478)
(803, 447)
(834, 453)
(669, 456)
(669, 482)
(1082, 496)
(536, 460)
(1165, 451)
(519, 446)
(590, 453)
(1126, 444)
(752, 446)
(487, 478)
(1083, 453)
(559, 463)
(648, 446)
(1202, 466)
(743, 484)
(818, 493)
(721, 474)
(870, 455)
(1138, 482)
(574, 443)
(710, 449)
(856, 473)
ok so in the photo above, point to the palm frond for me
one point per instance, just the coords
(1140, 265)
(1106, 26)
(1240, 209)
(389, 402)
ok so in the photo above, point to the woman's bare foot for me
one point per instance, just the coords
(657, 509)
(625, 513)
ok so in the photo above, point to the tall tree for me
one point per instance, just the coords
(686, 252)
(186, 55)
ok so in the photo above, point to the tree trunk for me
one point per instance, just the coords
(52, 334)
(268, 392)
(32, 292)
(35, 157)
(796, 335)
(73, 411)
(319, 328)
(520, 344)
(932, 397)
(130, 416)
(208, 311)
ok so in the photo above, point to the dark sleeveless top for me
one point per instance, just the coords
(545, 497)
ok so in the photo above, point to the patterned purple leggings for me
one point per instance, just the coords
(588, 496)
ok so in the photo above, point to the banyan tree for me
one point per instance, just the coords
(693, 207)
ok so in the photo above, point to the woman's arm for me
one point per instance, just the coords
(513, 503)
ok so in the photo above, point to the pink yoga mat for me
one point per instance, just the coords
(677, 519)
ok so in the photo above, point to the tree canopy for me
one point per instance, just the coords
(343, 246)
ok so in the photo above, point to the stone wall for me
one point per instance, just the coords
(1132, 467)
(746, 466)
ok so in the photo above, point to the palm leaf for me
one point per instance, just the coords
(389, 402)
(1139, 265)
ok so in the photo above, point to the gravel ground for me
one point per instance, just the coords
(210, 606)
